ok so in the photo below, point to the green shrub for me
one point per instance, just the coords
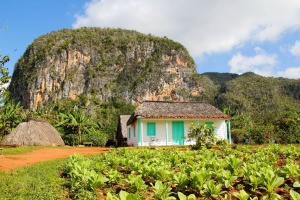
(259, 135)
(203, 134)
(97, 137)
(70, 139)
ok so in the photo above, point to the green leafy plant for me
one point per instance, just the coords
(234, 164)
(211, 189)
(136, 182)
(241, 195)
(181, 180)
(184, 197)
(129, 196)
(271, 180)
(291, 170)
(162, 191)
(114, 176)
(199, 178)
(109, 196)
(226, 177)
(294, 195)
(82, 177)
(256, 180)
(296, 184)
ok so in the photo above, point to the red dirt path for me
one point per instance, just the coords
(9, 162)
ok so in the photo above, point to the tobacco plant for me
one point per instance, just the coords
(136, 182)
(199, 178)
(212, 189)
(167, 174)
(181, 180)
(271, 181)
(82, 176)
(162, 191)
(226, 177)
(294, 195)
(184, 197)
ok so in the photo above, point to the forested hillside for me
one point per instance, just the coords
(81, 80)
(258, 105)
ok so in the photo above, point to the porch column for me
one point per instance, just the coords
(140, 132)
(167, 131)
(229, 131)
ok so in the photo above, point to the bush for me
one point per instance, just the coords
(70, 139)
(287, 129)
(259, 135)
(97, 137)
(203, 134)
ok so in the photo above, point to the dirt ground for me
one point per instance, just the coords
(9, 162)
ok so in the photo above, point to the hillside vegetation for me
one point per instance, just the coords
(258, 105)
(103, 63)
(81, 80)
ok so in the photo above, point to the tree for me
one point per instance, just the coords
(242, 125)
(203, 134)
(287, 127)
(77, 121)
(4, 74)
(11, 116)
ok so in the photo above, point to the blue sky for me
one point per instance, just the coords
(262, 36)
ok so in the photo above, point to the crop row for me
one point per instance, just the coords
(271, 172)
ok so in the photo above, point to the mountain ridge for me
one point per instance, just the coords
(105, 63)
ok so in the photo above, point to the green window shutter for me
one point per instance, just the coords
(151, 129)
(210, 125)
(128, 133)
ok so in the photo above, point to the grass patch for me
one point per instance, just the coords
(38, 181)
(22, 149)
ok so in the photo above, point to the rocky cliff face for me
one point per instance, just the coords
(105, 64)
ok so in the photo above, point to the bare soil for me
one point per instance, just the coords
(10, 162)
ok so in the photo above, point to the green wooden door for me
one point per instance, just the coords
(178, 133)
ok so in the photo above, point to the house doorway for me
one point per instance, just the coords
(178, 132)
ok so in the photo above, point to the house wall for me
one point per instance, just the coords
(165, 125)
(132, 140)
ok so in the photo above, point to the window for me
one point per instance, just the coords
(134, 131)
(210, 125)
(151, 129)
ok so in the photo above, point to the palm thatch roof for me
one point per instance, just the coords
(122, 130)
(33, 132)
(162, 109)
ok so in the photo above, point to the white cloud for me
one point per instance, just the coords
(200, 25)
(295, 50)
(293, 72)
(261, 63)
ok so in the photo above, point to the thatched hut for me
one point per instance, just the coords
(34, 132)
(122, 130)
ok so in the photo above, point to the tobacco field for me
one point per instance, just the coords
(246, 172)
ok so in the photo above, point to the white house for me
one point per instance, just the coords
(159, 123)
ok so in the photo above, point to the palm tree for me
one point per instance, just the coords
(11, 116)
(77, 120)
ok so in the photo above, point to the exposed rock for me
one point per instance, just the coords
(108, 63)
